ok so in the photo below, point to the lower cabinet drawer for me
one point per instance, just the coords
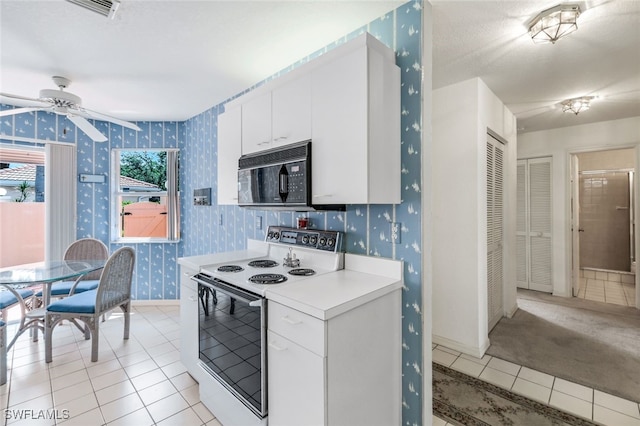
(303, 329)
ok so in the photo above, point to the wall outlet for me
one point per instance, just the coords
(258, 222)
(395, 232)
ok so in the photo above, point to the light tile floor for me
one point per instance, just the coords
(136, 382)
(554, 391)
(142, 381)
(608, 287)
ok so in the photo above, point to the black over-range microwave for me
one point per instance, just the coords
(278, 178)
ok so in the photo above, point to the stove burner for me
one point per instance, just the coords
(302, 271)
(230, 268)
(268, 279)
(263, 263)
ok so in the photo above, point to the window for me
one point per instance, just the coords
(144, 188)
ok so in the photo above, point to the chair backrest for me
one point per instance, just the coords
(87, 249)
(115, 281)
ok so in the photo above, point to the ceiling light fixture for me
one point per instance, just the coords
(577, 105)
(551, 24)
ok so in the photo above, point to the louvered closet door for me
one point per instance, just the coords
(540, 224)
(522, 225)
(495, 229)
(533, 225)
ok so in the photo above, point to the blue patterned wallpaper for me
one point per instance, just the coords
(210, 229)
(93, 199)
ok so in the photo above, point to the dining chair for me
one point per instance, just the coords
(9, 298)
(3, 352)
(114, 290)
(83, 249)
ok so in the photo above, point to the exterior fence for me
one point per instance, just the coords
(21, 233)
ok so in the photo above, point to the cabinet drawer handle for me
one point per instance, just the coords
(193, 299)
(276, 347)
(290, 321)
(323, 196)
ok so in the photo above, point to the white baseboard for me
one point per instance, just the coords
(477, 352)
(158, 302)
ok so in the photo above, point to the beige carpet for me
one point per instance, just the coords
(591, 343)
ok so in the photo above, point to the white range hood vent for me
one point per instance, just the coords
(106, 8)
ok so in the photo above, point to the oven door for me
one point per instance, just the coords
(232, 348)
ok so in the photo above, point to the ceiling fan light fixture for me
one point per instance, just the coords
(554, 23)
(106, 8)
(577, 105)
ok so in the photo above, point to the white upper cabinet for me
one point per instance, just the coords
(256, 124)
(229, 151)
(347, 102)
(291, 111)
(356, 128)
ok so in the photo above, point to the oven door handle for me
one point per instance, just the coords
(233, 293)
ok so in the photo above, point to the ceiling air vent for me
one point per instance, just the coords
(103, 7)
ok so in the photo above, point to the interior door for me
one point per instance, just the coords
(575, 226)
(495, 229)
(540, 278)
(533, 225)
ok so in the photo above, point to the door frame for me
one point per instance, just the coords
(574, 270)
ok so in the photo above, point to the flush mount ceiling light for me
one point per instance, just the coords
(551, 24)
(577, 105)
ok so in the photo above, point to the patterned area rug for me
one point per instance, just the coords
(465, 400)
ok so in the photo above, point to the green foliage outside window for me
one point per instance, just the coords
(147, 166)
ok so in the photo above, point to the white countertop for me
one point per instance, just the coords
(255, 249)
(332, 294)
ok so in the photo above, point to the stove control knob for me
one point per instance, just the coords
(313, 240)
(305, 239)
(331, 242)
(323, 241)
(270, 236)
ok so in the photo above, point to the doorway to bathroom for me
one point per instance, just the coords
(603, 225)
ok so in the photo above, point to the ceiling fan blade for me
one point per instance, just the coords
(100, 116)
(15, 111)
(82, 124)
(21, 100)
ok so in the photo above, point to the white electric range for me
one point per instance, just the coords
(232, 314)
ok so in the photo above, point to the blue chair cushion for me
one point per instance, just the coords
(7, 298)
(84, 303)
(64, 287)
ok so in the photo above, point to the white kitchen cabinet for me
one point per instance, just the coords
(291, 112)
(326, 372)
(189, 322)
(356, 127)
(229, 151)
(256, 124)
(347, 102)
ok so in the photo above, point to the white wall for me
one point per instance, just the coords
(462, 115)
(560, 144)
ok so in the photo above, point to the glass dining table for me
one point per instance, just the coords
(41, 273)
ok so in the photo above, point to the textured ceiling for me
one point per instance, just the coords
(489, 39)
(170, 60)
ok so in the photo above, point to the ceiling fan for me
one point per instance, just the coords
(67, 104)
